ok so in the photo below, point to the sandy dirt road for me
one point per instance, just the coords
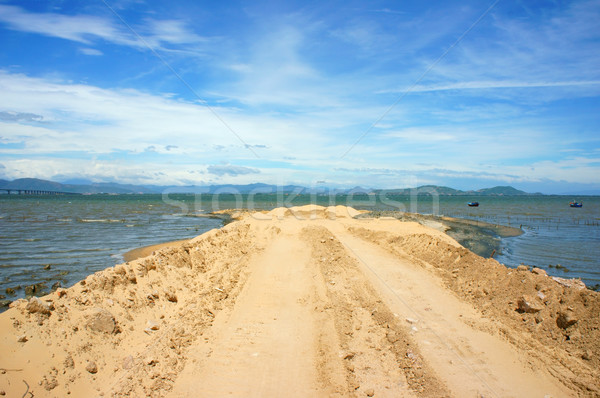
(302, 303)
(270, 343)
(448, 330)
(264, 345)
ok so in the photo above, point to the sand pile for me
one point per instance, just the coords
(124, 329)
(307, 301)
(313, 212)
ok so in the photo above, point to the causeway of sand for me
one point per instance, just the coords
(307, 301)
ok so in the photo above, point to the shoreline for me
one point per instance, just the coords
(86, 251)
(477, 236)
(145, 251)
(480, 237)
(226, 216)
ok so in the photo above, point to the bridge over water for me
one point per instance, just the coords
(15, 191)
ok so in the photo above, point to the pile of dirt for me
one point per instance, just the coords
(126, 328)
(313, 212)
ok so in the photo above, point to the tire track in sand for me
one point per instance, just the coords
(272, 343)
(470, 361)
(313, 320)
(380, 357)
(306, 324)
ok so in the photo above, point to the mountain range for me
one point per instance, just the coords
(116, 188)
(446, 191)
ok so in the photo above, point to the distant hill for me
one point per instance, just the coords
(115, 188)
(45, 185)
(501, 190)
(231, 188)
(32, 184)
(446, 191)
(35, 184)
(97, 188)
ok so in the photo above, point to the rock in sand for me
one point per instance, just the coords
(565, 319)
(171, 296)
(529, 305)
(36, 305)
(153, 325)
(91, 367)
(100, 320)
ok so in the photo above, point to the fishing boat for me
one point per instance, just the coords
(576, 204)
(473, 204)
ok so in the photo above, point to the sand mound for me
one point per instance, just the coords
(124, 329)
(313, 212)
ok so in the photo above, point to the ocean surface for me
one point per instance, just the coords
(78, 235)
(562, 240)
(50, 239)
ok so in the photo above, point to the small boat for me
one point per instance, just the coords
(576, 204)
(473, 204)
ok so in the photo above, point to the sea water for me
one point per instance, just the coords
(562, 240)
(49, 239)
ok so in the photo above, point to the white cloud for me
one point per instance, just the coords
(90, 51)
(485, 85)
(557, 48)
(120, 125)
(172, 31)
(575, 170)
(100, 120)
(80, 28)
(362, 34)
(231, 170)
(20, 116)
(96, 170)
(87, 29)
(421, 135)
(275, 73)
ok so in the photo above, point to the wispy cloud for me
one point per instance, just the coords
(171, 32)
(229, 169)
(422, 135)
(88, 29)
(537, 51)
(90, 51)
(486, 85)
(80, 28)
(20, 116)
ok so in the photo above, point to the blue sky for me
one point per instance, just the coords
(467, 94)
